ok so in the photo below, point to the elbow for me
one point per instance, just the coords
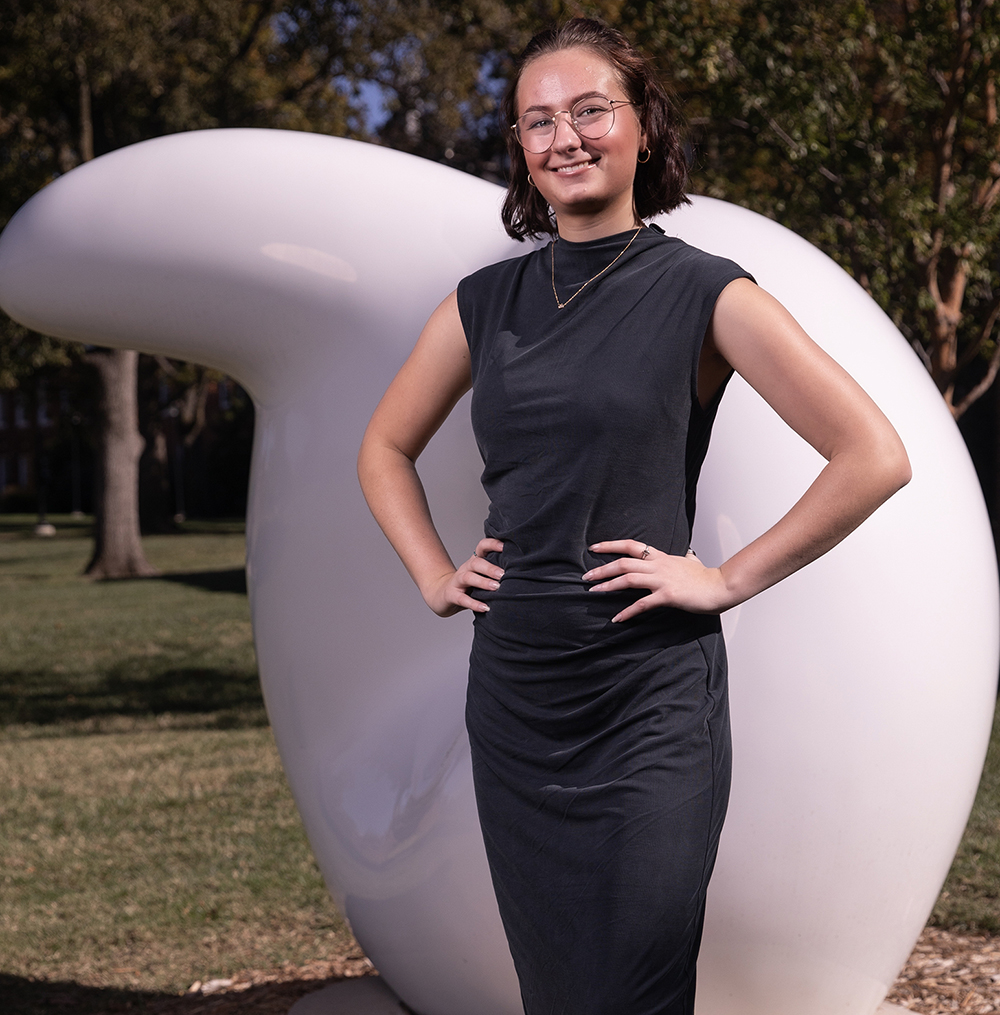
(362, 463)
(379, 458)
(368, 462)
(904, 473)
(895, 470)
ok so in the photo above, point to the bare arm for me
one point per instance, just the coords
(866, 462)
(431, 381)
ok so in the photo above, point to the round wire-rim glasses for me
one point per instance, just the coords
(592, 118)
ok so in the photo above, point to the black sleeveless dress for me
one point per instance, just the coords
(600, 751)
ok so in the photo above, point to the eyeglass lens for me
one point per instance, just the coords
(592, 118)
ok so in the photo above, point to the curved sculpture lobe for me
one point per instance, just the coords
(304, 266)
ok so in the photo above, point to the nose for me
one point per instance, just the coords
(566, 137)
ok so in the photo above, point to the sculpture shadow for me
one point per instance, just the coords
(23, 996)
(132, 688)
(141, 685)
(231, 580)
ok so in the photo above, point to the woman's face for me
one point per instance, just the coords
(583, 179)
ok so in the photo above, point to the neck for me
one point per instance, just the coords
(578, 228)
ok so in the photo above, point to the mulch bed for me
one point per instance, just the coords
(950, 972)
(947, 972)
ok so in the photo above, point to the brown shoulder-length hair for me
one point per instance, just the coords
(659, 182)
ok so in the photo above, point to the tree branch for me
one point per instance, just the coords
(922, 353)
(166, 366)
(264, 12)
(973, 348)
(86, 116)
(955, 92)
(794, 145)
(982, 387)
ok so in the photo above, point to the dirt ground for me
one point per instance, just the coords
(946, 973)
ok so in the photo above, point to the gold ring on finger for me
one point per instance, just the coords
(645, 552)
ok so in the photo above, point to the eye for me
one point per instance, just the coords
(591, 110)
(536, 122)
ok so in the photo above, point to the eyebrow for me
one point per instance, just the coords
(579, 98)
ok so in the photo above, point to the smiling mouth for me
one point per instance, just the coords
(576, 165)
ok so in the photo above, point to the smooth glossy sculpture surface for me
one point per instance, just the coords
(862, 687)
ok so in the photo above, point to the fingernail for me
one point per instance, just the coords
(494, 585)
(586, 577)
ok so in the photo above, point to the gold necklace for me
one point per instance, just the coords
(559, 303)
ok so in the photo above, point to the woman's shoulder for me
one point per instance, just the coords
(678, 254)
(492, 285)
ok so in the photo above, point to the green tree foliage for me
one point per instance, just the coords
(79, 78)
(869, 127)
(439, 68)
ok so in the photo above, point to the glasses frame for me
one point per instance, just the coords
(573, 123)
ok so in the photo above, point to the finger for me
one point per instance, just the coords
(474, 580)
(623, 565)
(476, 565)
(630, 546)
(483, 547)
(465, 602)
(632, 580)
(638, 607)
(488, 545)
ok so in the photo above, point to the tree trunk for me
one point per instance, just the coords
(117, 547)
(117, 544)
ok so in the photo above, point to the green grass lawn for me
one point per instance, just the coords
(153, 859)
(148, 838)
(970, 899)
(147, 835)
(76, 653)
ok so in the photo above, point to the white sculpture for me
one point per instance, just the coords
(862, 687)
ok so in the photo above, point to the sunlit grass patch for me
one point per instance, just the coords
(971, 896)
(154, 859)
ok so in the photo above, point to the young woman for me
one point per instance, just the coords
(597, 704)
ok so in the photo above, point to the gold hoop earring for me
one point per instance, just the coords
(646, 159)
(531, 182)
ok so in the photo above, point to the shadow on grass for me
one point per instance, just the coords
(132, 688)
(232, 580)
(20, 996)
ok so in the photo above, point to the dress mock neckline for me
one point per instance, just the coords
(576, 261)
(612, 239)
